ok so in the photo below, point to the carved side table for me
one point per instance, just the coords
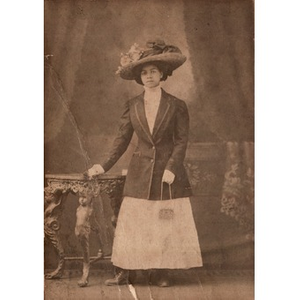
(57, 189)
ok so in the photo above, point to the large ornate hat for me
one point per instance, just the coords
(155, 51)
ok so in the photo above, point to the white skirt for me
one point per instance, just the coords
(156, 235)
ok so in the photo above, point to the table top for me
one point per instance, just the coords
(80, 176)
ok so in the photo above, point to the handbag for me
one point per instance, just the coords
(166, 213)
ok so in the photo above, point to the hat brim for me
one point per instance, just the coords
(172, 60)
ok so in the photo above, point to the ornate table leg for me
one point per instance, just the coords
(82, 231)
(53, 208)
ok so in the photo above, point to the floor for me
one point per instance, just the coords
(187, 285)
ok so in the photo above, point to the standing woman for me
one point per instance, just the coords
(155, 229)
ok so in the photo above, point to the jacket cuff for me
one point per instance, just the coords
(171, 166)
(106, 165)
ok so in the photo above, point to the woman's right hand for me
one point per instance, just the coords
(95, 170)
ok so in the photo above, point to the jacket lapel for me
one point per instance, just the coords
(162, 112)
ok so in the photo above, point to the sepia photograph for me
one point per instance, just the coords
(149, 149)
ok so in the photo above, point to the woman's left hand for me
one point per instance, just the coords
(168, 177)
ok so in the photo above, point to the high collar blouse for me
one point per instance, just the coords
(151, 102)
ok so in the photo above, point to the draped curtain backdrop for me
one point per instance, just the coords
(84, 96)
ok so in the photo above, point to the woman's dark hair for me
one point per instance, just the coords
(162, 67)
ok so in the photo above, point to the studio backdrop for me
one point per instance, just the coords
(84, 99)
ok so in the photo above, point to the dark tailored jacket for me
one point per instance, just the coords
(164, 149)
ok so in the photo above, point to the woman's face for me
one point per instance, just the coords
(150, 76)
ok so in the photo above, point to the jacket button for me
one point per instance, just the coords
(153, 147)
(152, 160)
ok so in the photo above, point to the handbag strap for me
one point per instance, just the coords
(162, 188)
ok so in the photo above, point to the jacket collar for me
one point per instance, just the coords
(161, 114)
